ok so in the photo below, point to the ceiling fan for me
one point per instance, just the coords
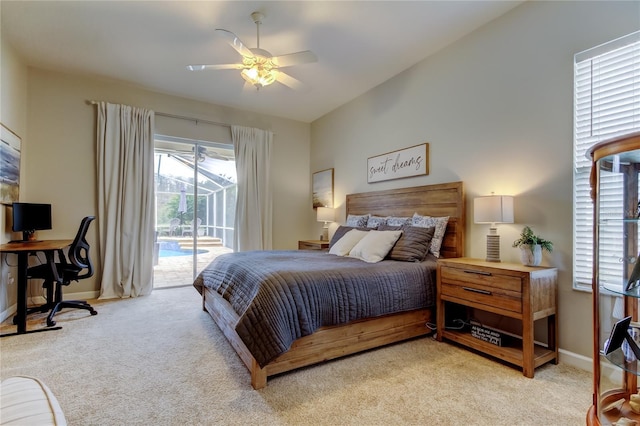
(259, 68)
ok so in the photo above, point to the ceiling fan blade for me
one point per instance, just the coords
(235, 42)
(215, 67)
(304, 57)
(289, 81)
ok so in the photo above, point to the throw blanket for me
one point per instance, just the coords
(281, 296)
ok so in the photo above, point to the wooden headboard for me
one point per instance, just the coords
(445, 199)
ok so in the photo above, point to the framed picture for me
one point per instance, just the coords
(9, 165)
(322, 183)
(407, 162)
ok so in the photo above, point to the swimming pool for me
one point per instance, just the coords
(172, 249)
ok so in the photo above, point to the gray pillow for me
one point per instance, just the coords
(413, 245)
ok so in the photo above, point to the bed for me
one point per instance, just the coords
(360, 332)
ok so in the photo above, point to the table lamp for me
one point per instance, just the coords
(493, 209)
(326, 215)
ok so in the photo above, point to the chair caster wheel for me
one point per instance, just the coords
(50, 323)
(94, 312)
(15, 320)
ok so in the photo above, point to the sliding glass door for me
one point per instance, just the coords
(195, 207)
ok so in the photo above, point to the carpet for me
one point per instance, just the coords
(161, 360)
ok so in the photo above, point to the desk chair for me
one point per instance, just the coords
(67, 271)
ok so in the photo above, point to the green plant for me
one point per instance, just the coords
(527, 237)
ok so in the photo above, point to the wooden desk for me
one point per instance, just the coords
(23, 249)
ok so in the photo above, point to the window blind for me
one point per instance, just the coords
(606, 105)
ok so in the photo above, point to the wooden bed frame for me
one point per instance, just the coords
(332, 342)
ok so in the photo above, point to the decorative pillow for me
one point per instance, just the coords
(342, 229)
(357, 221)
(376, 221)
(440, 223)
(375, 245)
(344, 245)
(413, 245)
(398, 221)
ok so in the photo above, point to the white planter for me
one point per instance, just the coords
(531, 255)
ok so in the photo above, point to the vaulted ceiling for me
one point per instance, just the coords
(359, 44)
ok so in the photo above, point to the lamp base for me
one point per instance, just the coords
(493, 248)
(325, 234)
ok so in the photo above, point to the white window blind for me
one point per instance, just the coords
(606, 105)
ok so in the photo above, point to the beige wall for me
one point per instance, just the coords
(13, 114)
(496, 108)
(59, 155)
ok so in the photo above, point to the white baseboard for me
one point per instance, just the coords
(576, 360)
(39, 300)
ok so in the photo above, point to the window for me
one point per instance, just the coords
(606, 105)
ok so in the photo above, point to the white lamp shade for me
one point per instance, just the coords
(493, 209)
(325, 214)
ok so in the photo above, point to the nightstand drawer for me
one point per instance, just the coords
(501, 292)
(497, 299)
(482, 279)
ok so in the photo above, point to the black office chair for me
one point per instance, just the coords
(79, 261)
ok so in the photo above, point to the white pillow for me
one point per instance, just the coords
(343, 246)
(375, 245)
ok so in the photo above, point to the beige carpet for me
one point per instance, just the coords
(161, 360)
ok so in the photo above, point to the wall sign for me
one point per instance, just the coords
(412, 161)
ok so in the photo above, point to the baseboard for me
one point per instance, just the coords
(576, 360)
(39, 300)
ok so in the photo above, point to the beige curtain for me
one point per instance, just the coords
(253, 206)
(126, 208)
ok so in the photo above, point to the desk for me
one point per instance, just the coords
(23, 249)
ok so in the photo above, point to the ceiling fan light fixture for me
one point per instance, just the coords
(259, 67)
(259, 76)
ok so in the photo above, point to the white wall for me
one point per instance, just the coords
(496, 108)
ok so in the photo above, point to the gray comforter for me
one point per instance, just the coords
(281, 296)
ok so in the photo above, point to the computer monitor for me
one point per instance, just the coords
(30, 217)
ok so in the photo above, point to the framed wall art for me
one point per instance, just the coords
(322, 183)
(407, 162)
(9, 165)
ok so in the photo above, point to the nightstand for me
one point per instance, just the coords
(523, 293)
(313, 245)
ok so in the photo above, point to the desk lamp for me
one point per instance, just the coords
(493, 209)
(326, 215)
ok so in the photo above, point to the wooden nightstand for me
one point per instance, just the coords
(313, 245)
(521, 292)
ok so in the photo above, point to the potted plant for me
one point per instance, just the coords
(531, 247)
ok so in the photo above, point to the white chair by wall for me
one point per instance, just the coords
(173, 225)
(191, 230)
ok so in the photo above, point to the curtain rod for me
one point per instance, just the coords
(181, 117)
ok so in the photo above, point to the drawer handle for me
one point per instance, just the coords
(477, 290)
(467, 271)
